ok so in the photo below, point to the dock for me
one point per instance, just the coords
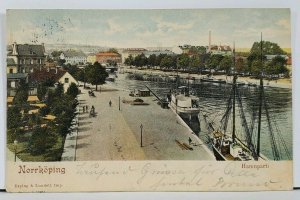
(115, 132)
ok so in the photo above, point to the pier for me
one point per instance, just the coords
(127, 132)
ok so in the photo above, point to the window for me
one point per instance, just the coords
(11, 71)
(66, 80)
(31, 61)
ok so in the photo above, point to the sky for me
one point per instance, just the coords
(150, 28)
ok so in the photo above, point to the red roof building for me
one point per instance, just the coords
(106, 57)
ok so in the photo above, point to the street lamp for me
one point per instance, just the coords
(15, 145)
(141, 135)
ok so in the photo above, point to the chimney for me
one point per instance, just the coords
(48, 69)
(14, 46)
(55, 70)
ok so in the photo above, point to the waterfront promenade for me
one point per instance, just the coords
(115, 134)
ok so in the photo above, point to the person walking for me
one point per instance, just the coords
(87, 108)
(83, 109)
(110, 103)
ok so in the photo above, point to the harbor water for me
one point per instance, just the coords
(276, 133)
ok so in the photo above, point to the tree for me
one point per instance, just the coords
(41, 91)
(226, 64)
(277, 66)
(73, 90)
(129, 60)
(96, 74)
(268, 48)
(239, 65)
(59, 90)
(13, 117)
(140, 60)
(166, 62)
(113, 50)
(183, 61)
(195, 63)
(41, 141)
(21, 96)
(213, 61)
(151, 60)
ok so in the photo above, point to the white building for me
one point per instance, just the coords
(73, 57)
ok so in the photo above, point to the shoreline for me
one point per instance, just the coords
(280, 83)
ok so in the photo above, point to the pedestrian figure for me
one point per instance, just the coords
(87, 108)
(83, 109)
(190, 141)
(110, 103)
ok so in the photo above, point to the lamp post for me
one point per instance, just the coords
(141, 135)
(15, 144)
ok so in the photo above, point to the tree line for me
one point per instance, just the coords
(199, 61)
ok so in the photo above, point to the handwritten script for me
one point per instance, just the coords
(158, 176)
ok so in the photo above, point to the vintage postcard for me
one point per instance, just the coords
(149, 100)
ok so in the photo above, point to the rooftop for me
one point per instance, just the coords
(73, 53)
(47, 74)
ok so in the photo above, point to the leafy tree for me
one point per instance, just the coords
(277, 66)
(268, 48)
(213, 61)
(80, 75)
(41, 91)
(152, 60)
(21, 96)
(226, 64)
(140, 60)
(113, 50)
(61, 62)
(41, 141)
(96, 74)
(13, 117)
(56, 54)
(166, 62)
(73, 90)
(240, 65)
(183, 61)
(59, 90)
(129, 60)
(195, 62)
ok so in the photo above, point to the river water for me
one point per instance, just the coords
(213, 104)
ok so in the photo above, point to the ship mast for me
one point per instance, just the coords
(234, 94)
(260, 97)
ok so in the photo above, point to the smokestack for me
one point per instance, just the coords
(14, 47)
(209, 42)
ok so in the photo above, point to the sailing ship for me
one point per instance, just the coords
(228, 146)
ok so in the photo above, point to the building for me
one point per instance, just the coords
(55, 74)
(133, 52)
(73, 57)
(91, 58)
(11, 66)
(223, 50)
(27, 57)
(106, 57)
